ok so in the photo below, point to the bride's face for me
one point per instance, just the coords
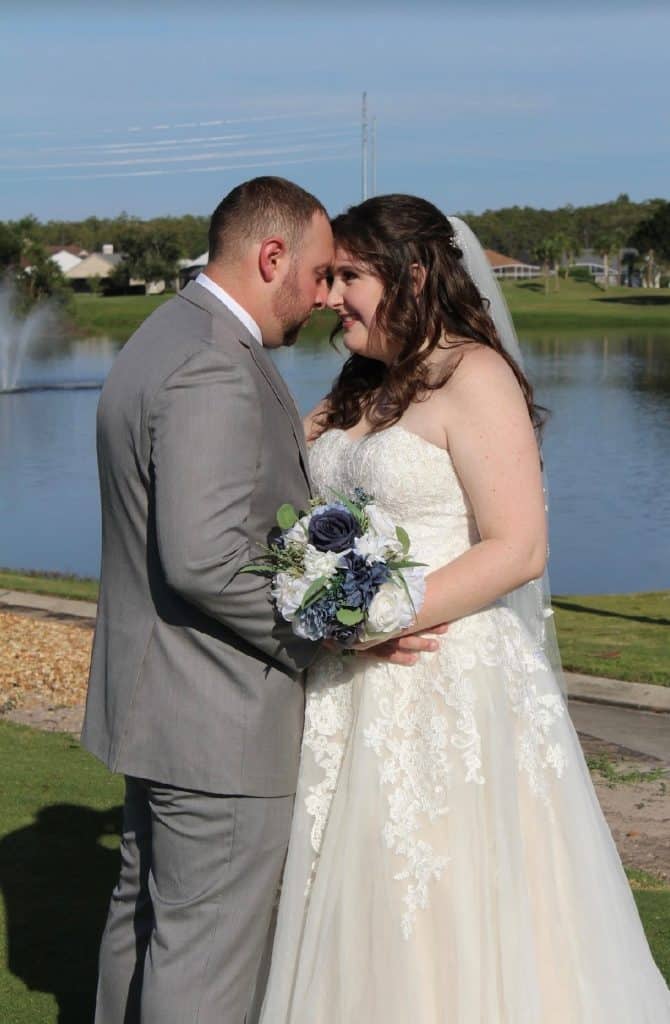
(355, 294)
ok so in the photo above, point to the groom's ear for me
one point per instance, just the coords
(270, 256)
(418, 273)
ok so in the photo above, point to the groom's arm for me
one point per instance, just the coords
(206, 432)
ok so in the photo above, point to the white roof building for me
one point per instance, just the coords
(65, 259)
(98, 264)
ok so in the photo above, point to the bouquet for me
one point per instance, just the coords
(342, 571)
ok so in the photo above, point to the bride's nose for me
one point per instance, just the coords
(334, 297)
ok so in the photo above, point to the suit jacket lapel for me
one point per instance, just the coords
(198, 295)
(267, 367)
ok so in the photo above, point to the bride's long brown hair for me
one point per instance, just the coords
(390, 236)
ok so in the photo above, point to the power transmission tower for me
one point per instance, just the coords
(364, 147)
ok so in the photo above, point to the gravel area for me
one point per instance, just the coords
(43, 674)
(43, 662)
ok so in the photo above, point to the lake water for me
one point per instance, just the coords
(607, 451)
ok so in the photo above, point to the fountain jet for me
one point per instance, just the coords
(16, 336)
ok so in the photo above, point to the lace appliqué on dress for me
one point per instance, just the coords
(537, 756)
(328, 716)
(412, 742)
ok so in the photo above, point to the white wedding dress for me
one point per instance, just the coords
(449, 862)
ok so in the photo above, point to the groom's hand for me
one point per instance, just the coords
(404, 650)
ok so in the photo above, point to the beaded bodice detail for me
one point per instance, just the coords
(414, 481)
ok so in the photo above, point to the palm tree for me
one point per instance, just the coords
(609, 241)
(562, 244)
(545, 253)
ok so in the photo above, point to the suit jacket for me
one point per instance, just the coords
(192, 680)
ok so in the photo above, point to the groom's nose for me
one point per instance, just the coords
(321, 295)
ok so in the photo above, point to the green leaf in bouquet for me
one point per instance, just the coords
(349, 616)
(403, 537)
(313, 591)
(356, 511)
(286, 517)
(262, 570)
(406, 563)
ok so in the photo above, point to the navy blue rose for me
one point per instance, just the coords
(333, 529)
(361, 580)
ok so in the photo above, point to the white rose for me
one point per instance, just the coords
(288, 591)
(320, 563)
(391, 609)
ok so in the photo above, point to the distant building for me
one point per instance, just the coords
(99, 265)
(66, 256)
(507, 267)
(95, 265)
(189, 269)
(592, 261)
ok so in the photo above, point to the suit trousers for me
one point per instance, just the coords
(189, 920)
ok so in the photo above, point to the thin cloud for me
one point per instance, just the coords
(160, 145)
(162, 159)
(194, 170)
(289, 111)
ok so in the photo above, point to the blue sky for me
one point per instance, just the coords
(161, 108)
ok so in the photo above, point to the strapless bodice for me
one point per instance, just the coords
(414, 481)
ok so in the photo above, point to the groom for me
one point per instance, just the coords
(196, 693)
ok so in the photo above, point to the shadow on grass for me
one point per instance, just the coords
(638, 300)
(531, 286)
(570, 606)
(56, 879)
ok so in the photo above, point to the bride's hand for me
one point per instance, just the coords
(399, 650)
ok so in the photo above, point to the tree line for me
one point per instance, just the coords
(151, 248)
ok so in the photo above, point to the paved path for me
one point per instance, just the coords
(643, 732)
(58, 606)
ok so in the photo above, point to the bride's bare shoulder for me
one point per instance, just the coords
(313, 421)
(478, 365)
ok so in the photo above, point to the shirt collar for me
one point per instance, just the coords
(222, 295)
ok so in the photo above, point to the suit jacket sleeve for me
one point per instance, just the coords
(206, 434)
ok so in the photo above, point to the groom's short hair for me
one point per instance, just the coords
(257, 209)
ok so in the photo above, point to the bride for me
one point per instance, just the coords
(449, 862)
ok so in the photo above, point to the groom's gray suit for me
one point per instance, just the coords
(195, 693)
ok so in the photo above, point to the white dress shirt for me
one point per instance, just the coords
(233, 306)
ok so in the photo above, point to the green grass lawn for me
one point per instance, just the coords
(583, 305)
(575, 305)
(120, 315)
(56, 585)
(117, 315)
(622, 636)
(59, 822)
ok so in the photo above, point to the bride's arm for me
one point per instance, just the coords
(494, 451)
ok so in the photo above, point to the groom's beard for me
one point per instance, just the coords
(289, 308)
